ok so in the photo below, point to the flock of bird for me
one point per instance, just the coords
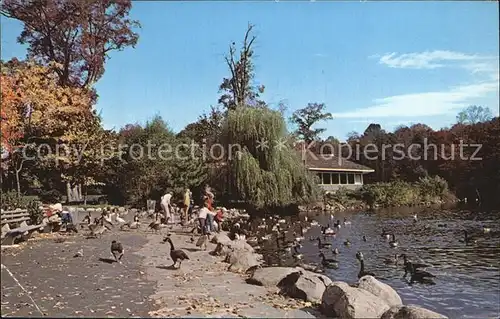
(290, 236)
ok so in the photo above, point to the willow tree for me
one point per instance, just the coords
(265, 171)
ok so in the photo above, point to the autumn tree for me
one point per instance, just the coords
(305, 118)
(238, 89)
(76, 34)
(40, 111)
(474, 114)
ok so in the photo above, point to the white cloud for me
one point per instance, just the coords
(423, 104)
(433, 103)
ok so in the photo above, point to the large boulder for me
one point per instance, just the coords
(220, 238)
(411, 312)
(241, 260)
(304, 286)
(381, 290)
(271, 276)
(240, 245)
(345, 302)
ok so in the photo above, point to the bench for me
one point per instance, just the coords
(18, 217)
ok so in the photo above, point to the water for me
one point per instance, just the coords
(467, 276)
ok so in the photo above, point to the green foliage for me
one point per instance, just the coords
(266, 173)
(305, 118)
(50, 196)
(10, 201)
(399, 193)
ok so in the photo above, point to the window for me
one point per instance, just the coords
(350, 178)
(320, 178)
(327, 179)
(358, 179)
(343, 178)
(335, 178)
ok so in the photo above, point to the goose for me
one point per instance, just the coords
(117, 251)
(393, 242)
(385, 234)
(328, 231)
(296, 254)
(406, 264)
(391, 261)
(364, 238)
(337, 224)
(335, 251)
(323, 245)
(155, 226)
(362, 271)
(419, 275)
(467, 239)
(314, 223)
(328, 263)
(176, 254)
(347, 242)
(346, 222)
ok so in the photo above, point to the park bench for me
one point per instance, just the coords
(18, 218)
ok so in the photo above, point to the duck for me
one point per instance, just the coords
(314, 223)
(177, 255)
(335, 251)
(415, 218)
(467, 239)
(328, 231)
(486, 230)
(119, 220)
(155, 226)
(364, 238)
(337, 224)
(362, 272)
(346, 222)
(323, 245)
(347, 242)
(296, 254)
(328, 263)
(392, 261)
(393, 242)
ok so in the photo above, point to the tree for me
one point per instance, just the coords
(40, 112)
(238, 88)
(474, 114)
(266, 173)
(206, 129)
(305, 118)
(77, 35)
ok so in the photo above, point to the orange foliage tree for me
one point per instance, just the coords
(38, 111)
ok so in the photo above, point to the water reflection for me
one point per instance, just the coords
(467, 275)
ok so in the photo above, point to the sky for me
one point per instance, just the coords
(392, 63)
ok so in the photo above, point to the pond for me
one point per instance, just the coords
(467, 282)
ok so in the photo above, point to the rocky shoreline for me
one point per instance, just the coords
(226, 280)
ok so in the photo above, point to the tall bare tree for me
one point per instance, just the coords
(238, 88)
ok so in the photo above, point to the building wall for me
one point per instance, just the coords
(333, 187)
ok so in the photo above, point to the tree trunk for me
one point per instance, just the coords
(86, 192)
(18, 184)
(68, 193)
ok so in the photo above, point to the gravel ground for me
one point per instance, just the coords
(67, 286)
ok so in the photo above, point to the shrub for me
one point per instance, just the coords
(50, 196)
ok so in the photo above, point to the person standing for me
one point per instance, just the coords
(209, 196)
(187, 203)
(165, 204)
(202, 217)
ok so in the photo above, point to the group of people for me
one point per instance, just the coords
(209, 220)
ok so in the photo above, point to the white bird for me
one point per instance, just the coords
(415, 218)
(314, 223)
(119, 219)
(329, 231)
(281, 221)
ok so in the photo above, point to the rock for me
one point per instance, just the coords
(346, 302)
(304, 285)
(271, 276)
(221, 238)
(240, 245)
(241, 260)
(410, 312)
(381, 290)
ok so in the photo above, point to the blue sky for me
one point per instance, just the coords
(391, 63)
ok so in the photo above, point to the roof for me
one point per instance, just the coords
(328, 162)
